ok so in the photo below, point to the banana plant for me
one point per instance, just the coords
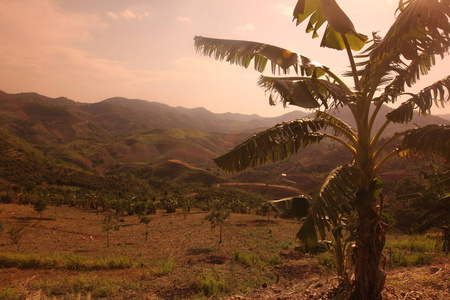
(433, 201)
(383, 71)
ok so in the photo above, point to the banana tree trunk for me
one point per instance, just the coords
(369, 279)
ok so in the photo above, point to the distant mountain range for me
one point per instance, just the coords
(131, 132)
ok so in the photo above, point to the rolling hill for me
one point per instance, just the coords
(120, 133)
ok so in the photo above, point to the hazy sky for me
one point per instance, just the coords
(90, 50)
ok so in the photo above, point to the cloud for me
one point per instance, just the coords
(285, 9)
(244, 28)
(43, 51)
(183, 20)
(112, 15)
(128, 14)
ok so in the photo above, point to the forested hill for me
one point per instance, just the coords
(122, 134)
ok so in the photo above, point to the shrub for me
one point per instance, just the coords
(275, 260)
(209, 285)
(69, 262)
(164, 267)
(327, 260)
(16, 232)
(247, 259)
(39, 206)
(9, 294)
(6, 198)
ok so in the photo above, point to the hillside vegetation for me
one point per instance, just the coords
(129, 183)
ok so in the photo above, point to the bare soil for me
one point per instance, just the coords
(191, 244)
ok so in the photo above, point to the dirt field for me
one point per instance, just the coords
(180, 260)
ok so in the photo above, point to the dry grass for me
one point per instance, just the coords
(65, 255)
(179, 251)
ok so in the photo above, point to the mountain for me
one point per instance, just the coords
(445, 117)
(40, 134)
(124, 115)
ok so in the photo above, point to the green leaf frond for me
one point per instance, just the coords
(339, 126)
(431, 141)
(305, 92)
(420, 32)
(297, 206)
(438, 182)
(364, 57)
(276, 143)
(438, 94)
(339, 23)
(408, 76)
(434, 200)
(334, 200)
(242, 53)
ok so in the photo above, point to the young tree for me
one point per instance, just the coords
(110, 222)
(217, 216)
(387, 68)
(146, 220)
(39, 206)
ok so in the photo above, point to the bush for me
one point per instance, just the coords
(209, 285)
(275, 260)
(6, 198)
(247, 259)
(327, 260)
(406, 251)
(16, 233)
(165, 267)
(9, 294)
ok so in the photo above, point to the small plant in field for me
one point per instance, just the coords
(217, 216)
(67, 262)
(39, 206)
(265, 209)
(247, 259)
(9, 294)
(16, 232)
(415, 243)
(210, 286)
(6, 198)
(416, 250)
(81, 284)
(146, 221)
(405, 259)
(446, 239)
(165, 267)
(140, 208)
(327, 260)
(275, 260)
(110, 222)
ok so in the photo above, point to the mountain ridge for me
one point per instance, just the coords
(132, 132)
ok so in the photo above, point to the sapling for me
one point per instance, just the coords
(110, 222)
(39, 206)
(16, 232)
(217, 216)
(146, 221)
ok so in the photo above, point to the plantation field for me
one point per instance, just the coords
(63, 254)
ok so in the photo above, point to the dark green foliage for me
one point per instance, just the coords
(6, 198)
(237, 201)
(40, 205)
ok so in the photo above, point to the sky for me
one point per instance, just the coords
(91, 50)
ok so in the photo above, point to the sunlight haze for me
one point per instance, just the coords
(92, 50)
